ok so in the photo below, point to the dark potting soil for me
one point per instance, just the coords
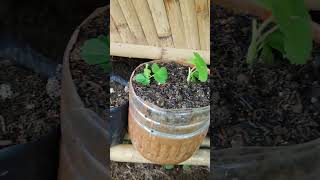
(118, 94)
(29, 105)
(266, 105)
(176, 92)
(140, 171)
(91, 81)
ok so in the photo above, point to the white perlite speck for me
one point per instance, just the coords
(53, 88)
(5, 91)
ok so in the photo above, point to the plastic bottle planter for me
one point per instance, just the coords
(118, 117)
(165, 136)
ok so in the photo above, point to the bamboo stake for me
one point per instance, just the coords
(205, 143)
(114, 34)
(132, 19)
(121, 23)
(127, 153)
(146, 21)
(161, 22)
(190, 23)
(176, 23)
(203, 23)
(151, 52)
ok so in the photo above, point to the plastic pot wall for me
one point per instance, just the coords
(165, 136)
(118, 116)
(84, 152)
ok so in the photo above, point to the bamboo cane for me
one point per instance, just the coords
(190, 23)
(203, 18)
(114, 34)
(161, 22)
(121, 23)
(176, 23)
(146, 21)
(151, 52)
(127, 153)
(129, 13)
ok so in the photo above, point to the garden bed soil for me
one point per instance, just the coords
(118, 94)
(176, 93)
(266, 105)
(29, 105)
(156, 172)
(91, 81)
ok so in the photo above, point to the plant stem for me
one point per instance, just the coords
(265, 24)
(190, 73)
(252, 48)
(266, 34)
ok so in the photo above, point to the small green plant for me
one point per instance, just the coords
(291, 34)
(168, 166)
(160, 75)
(199, 71)
(95, 51)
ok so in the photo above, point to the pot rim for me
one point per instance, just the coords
(155, 107)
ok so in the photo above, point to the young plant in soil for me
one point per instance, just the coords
(95, 51)
(160, 75)
(185, 86)
(291, 35)
(199, 71)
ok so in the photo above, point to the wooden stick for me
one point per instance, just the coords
(146, 22)
(251, 7)
(129, 13)
(121, 23)
(176, 23)
(161, 22)
(151, 52)
(203, 18)
(190, 23)
(114, 34)
(127, 153)
(205, 143)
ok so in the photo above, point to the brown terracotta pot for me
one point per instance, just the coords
(165, 136)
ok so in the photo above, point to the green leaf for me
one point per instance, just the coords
(201, 67)
(147, 72)
(155, 68)
(186, 167)
(142, 79)
(96, 51)
(295, 23)
(161, 76)
(168, 167)
(267, 55)
(198, 61)
(276, 41)
(298, 41)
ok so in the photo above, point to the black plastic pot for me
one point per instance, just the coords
(36, 160)
(118, 116)
(32, 161)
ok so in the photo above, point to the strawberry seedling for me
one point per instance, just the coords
(199, 71)
(160, 75)
(95, 51)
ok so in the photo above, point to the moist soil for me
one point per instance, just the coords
(91, 81)
(118, 94)
(29, 105)
(266, 105)
(122, 171)
(176, 93)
